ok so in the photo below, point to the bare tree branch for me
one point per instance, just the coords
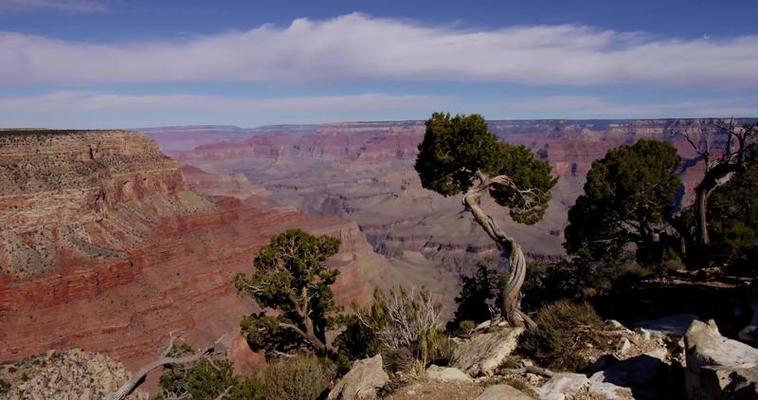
(163, 359)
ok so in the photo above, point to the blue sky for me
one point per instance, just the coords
(129, 63)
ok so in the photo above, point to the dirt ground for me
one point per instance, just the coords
(432, 390)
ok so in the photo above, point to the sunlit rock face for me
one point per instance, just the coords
(105, 246)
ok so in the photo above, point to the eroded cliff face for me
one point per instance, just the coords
(105, 248)
(71, 197)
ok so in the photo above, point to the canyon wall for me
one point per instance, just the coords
(105, 247)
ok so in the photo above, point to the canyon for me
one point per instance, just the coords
(364, 172)
(114, 240)
(106, 247)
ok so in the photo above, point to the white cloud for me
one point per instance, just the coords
(84, 101)
(72, 6)
(356, 47)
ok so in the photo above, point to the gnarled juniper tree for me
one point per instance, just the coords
(721, 165)
(291, 277)
(628, 198)
(459, 155)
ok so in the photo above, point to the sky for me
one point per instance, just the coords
(134, 63)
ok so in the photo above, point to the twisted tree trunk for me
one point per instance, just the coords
(508, 247)
(714, 178)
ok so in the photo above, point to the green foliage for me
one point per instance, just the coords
(563, 331)
(456, 148)
(628, 198)
(549, 282)
(733, 217)
(357, 341)
(476, 294)
(298, 378)
(207, 379)
(291, 277)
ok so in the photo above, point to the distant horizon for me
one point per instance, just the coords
(315, 124)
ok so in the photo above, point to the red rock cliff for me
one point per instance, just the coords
(104, 248)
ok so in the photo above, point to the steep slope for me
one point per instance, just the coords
(105, 248)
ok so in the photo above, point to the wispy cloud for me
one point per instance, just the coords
(82, 101)
(71, 6)
(357, 47)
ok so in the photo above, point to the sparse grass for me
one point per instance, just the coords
(298, 378)
(565, 335)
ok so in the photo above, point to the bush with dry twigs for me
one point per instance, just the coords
(405, 327)
(566, 337)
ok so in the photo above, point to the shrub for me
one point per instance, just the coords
(357, 341)
(478, 292)
(298, 378)
(207, 379)
(403, 322)
(563, 332)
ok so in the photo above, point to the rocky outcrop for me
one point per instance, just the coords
(69, 197)
(749, 333)
(362, 381)
(485, 352)
(718, 367)
(673, 325)
(567, 386)
(71, 374)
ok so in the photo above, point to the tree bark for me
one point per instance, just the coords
(516, 261)
(316, 343)
(702, 215)
(715, 178)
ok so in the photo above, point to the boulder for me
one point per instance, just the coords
(446, 374)
(718, 367)
(673, 325)
(647, 375)
(362, 381)
(567, 386)
(501, 392)
(749, 334)
(483, 353)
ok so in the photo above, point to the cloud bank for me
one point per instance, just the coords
(357, 47)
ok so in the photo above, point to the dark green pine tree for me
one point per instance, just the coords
(628, 198)
(291, 277)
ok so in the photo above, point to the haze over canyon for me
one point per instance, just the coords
(109, 242)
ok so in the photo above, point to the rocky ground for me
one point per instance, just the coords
(67, 375)
(671, 358)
